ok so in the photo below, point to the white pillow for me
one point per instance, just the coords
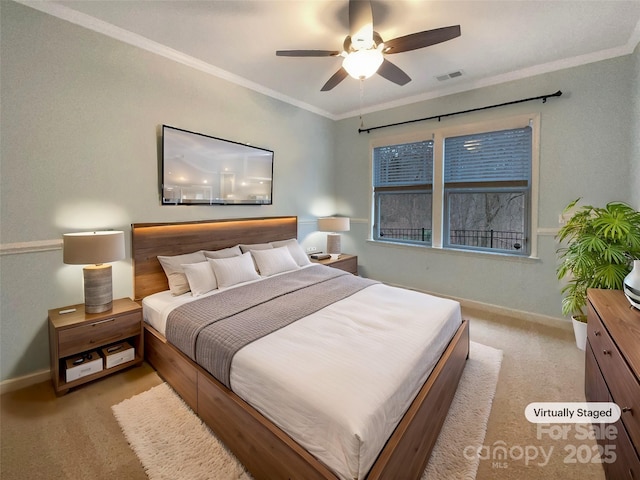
(201, 278)
(254, 246)
(178, 283)
(274, 260)
(295, 249)
(223, 252)
(233, 270)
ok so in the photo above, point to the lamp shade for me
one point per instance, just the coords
(86, 248)
(334, 224)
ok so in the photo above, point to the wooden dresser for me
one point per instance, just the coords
(612, 374)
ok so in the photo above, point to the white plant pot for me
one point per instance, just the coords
(580, 331)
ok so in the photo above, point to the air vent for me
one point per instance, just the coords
(449, 76)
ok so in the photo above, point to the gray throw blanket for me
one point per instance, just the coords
(212, 329)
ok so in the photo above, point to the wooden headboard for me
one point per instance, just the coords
(152, 239)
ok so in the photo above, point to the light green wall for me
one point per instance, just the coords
(585, 151)
(78, 145)
(635, 129)
(80, 116)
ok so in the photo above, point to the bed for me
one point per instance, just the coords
(265, 443)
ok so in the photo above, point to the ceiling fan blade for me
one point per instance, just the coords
(307, 53)
(335, 79)
(360, 24)
(421, 39)
(393, 73)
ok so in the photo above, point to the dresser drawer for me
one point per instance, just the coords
(622, 383)
(85, 337)
(596, 389)
(602, 344)
(627, 464)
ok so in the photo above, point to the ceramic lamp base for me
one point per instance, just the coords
(333, 244)
(98, 288)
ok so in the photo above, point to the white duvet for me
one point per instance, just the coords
(339, 380)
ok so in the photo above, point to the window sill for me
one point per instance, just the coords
(456, 251)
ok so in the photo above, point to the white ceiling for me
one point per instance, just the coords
(237, 40)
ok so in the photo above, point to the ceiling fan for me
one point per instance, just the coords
(364, 49)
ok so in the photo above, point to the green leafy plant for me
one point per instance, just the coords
(601, 243)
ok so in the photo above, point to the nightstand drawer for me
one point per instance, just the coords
(86, 337)
(348, 264)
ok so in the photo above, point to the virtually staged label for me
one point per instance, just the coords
(572, 412)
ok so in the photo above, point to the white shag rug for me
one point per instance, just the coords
(172, 443)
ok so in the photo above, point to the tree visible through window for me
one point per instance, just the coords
(487, 180)
(403, 177)
(485, 190)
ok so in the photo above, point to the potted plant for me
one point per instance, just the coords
(600, 246)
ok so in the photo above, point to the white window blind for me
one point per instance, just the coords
(501, 156)
(403, 165)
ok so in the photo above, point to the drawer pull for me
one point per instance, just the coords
(627, 409)
(102, 321)
(607, 352)
(597, 333)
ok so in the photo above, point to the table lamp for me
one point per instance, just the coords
(333, 225)
(95, 249)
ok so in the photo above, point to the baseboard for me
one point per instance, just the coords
(13, 384)
(547, 320)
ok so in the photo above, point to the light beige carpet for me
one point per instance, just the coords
(172, 443)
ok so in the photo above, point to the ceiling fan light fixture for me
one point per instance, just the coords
(363, 39)
(362, 64)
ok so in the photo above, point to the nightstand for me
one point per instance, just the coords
(75, 335)
(346, 262)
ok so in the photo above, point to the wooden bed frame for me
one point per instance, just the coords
(266, 451)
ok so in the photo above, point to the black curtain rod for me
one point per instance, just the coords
(439, 117)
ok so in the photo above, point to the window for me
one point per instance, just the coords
(403, 178)
(470, 187)
(486, 190)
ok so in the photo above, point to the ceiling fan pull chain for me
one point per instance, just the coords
(361, 101)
